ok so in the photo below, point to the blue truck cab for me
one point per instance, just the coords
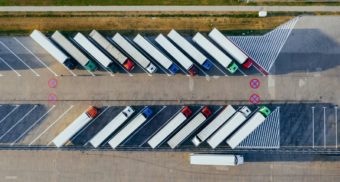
(147, 112)
(173, 69)
(207, 64)
(70, 64)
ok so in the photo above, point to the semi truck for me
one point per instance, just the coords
(72, 50)
(216, 123)
(230, 126)
(197, 121)
(111, 127)
(55, 52)
(131, 127)
(216, 159)
(134, 53)
(256, 120)
(156, 54)
(89, 47)
(113, 51)
(170, 127)
(176, 54)
(231, 48)
(75, 126)
(192, 51)
(215, 52)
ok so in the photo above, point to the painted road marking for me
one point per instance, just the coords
(324, 127)
(336, 126)
(36, 57)
(10, 129)
(92, 121)
(225, 74)
(62, 115)
(313, 124)
(18, 74)
(243, 73)
(16, 107)
(36, 74)
(35, 123)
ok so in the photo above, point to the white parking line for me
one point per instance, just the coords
(18, 74)
(313, 123)
(36, 74)
(62, 115)
(36, 122)
(89, 123)
(336, 127)
(243, 73)
(10, 129)
(324, 127)
(225, 74)
(36, 57)
(201, 70)
(16, 107)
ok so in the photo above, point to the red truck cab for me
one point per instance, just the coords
(186, 111)
(129, 65)
(248, 63)
(206, 111)
(92, 112)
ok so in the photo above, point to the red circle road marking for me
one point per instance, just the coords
(52, 83)
(254, 83)
(52, 97)
(254, 99)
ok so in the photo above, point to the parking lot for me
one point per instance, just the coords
(293, 126)
(36, 124)
(22, 56)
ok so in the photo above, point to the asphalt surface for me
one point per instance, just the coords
(172, 8)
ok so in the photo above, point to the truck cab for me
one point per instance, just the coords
(206, 111)
(173, 69)
(70, 64)
(112, 68)
(193, 71)
(186, 111)
(91, 66)
(232, 68)
(129, 65)
(128, 111)
(207, 64)
(245, 111)
(248, 63)
(147, 112)
(91, 112)
(151, 68)
(265, 111)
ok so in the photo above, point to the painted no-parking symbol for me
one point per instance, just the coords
(52, 97)
(254, 99)
(52, 83)
(254, 83)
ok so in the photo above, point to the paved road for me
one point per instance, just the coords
(32, 166)
(172, 8)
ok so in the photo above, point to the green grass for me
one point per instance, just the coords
(153, 2)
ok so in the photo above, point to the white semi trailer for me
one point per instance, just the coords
(231, 125)
(176, 54)
(216, 123)
(156, 54)
(134, 53)
(170, 127)
(215, 52)
(89, 47)
(256, 120)
(72, 50)
(192, 51)
(231, 48)
(182, 134)
(53, 50)
(216, 159)
(131, 127)
(113, 51)
(75, 126)
(111, 127)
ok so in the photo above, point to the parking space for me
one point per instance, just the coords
(309, 125)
